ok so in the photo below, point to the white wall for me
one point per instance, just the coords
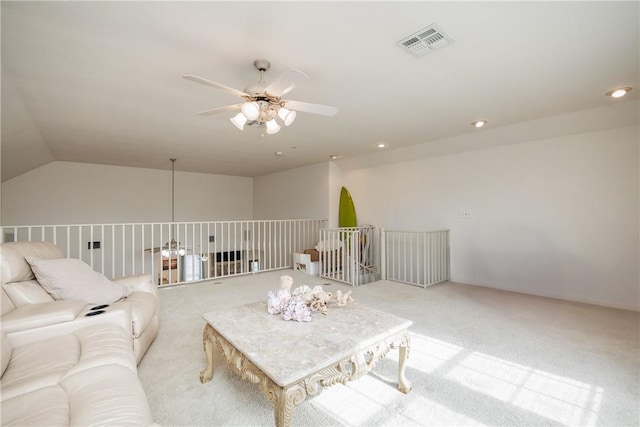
(335, 185)
(300, 193)
(70, 193)
(556, 217)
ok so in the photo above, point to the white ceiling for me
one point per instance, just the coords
(100, 82)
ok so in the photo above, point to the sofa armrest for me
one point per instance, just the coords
(143, 307)
(139, 283)
(119, 315)
(31, 316)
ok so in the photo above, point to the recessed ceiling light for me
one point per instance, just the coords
(279, 153)
(381, 145)
(333, 156)
(478, 123)
(619, 92)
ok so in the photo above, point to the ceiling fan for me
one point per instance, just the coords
(172, 248)
(263, 105)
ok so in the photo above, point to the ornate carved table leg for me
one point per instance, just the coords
(284, 400)
(208, 337)
(404, 385)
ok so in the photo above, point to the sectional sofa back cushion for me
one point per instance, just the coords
(7, 349)
(29, 292)
(69, 278)
(6, 305)
(12, 258)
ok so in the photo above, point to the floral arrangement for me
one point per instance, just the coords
(299, 303)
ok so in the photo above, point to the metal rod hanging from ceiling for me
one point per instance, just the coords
(173, 200)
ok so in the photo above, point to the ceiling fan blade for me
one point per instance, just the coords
(218, 86)
(220, 110)
(324, 110)
(286, 82)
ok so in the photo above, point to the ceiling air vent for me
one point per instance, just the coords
(425, 41)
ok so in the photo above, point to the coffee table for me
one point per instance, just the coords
(290, 360)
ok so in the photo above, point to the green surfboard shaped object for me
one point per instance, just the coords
(347, 211)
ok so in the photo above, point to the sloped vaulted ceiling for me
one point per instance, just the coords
(100, 82)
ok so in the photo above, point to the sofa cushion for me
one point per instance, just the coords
(28, 292)
(104, 345)
(48, 362)
(104, 395)
(39, 365)
(7, 349)
(12, 258)
(109, 395)
(70, 278)
(6, 305)
(43, 407)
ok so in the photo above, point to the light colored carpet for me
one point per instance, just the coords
(478, 357)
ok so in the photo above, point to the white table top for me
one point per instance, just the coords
(288, 351)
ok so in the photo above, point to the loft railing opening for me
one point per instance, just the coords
(415, 257)
(178, 252)
(175, 253)
(347, 254)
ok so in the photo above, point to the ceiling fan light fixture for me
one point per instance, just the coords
(272, 127)
(172, 248)
(251, 110)
(239, 120)
(287, 116)
(262, 105)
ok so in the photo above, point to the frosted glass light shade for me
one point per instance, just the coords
(251, 110)
(239, 121)
(272, 127)
(172, 248)
(287, 116)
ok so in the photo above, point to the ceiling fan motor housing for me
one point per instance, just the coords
(256, 88)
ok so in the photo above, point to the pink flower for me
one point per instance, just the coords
(296, 310)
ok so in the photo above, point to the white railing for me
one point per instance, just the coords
(178, 252)
(415, 257)
(346, 254)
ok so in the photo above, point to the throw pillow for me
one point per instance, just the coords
(69, 278)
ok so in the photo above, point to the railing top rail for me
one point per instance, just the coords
(161, 223)
(415, 232)
(359, 228)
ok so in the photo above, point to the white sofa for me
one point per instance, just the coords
(84, 378)
(61, 367)
(29, 313)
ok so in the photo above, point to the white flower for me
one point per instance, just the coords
(277, 301)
